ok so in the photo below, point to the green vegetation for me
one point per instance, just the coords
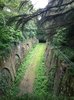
(60, 37)
(63, 40)
(24, 66)
(9, 36)
(63, 43)
(41, 81)
(13, 91)
(21, 70)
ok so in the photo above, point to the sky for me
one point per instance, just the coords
(39, 3)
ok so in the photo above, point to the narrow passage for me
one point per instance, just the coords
(27, 83)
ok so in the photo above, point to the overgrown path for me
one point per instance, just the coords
(27, 83)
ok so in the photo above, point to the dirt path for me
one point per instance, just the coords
(27, 83)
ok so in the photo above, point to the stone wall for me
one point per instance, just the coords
(9, 65)
(63, 80)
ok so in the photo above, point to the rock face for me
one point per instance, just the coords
(63, 82)
(9, 66)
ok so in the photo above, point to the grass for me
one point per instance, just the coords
(41, 81)
(22, 68)
(42, 86)
(20, 72)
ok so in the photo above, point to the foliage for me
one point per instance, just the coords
(8, 35)
(60, 37)
(30, 29)
(41, 82)
(69, 52)
(63, 39)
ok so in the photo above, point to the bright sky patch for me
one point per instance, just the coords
(39, 3)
